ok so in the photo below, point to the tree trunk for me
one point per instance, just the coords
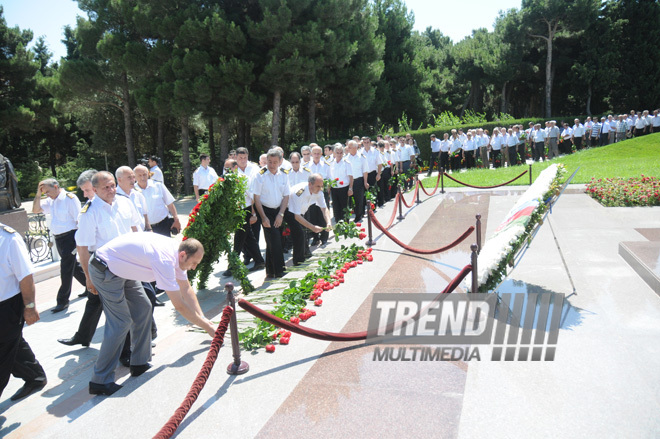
(214, 157)
(185, 156)
(160, 140)
(51, 154)
(224, 141)
(248, 141)
(465, 103)
(548, 75)
(128, 126)
(240, 141)
(503, 105)
(311, 117)
(589, 100)
(275, 130)
(282, 140)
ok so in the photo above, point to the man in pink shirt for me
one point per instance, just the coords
(117, 270)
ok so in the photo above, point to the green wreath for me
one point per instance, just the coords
(213, 221)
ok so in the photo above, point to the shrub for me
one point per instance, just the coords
(619, 192)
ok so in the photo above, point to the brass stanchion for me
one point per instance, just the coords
(475, 280)
(237, 367)
(398, 189)
(478, 233)
(417, 189)
(442, 180)
(530, 174)
(370, 242)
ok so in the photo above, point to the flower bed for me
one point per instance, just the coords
(513, 232)
(294, 301)
(619, 192)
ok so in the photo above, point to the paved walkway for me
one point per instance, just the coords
(602, 383)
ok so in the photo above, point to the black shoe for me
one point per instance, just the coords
(158, 303)
(83, 294)
(125, 361)
(246, 261)
(315, 241)
(138, 370)
(278, 275)
(103, 389)
(28, 389)
(73, 341)
(257, 267)
(60, 307)
(324, 242)
(226, 273)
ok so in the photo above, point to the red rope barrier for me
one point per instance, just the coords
(334, 336)
(485, 187)
(391, 221)
(173, 423)
(437, 185)
(418, 251)
(403, 199)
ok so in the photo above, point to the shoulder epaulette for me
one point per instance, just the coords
(263, 170)
(70, 195)
(286, 171)
(86, 206)
(139, 190)
(300, 191)
(347, 160)
(8, 229)
(123, 195)
(306, 169)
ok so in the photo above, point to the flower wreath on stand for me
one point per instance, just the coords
(213, 221)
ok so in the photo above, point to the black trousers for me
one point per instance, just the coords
(456, 161)
(578, 142)
(384, 194)
(434, 162)
(339, 201)
(316, 217)
(604, 139)
(69, 266)
(16, 357)
(522, 155)
(358, 198)
(244, 239)
(470, 160)
(273, 237)
(297, 237)
(444, 160)
(163, 227)
(538, 151)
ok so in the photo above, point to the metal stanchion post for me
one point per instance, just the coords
(442, 180)
(236, 367)
(475, 281)
(398, 189)
(479, 233)
(530, 175)
(417, 190)
(370, 242)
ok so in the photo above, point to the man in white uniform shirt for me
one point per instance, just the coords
(604, 132)
(63, 207)
(298, 173)
(539, 143)
(553, 138)
(360, 184)
(160, 203)
(204, 176)
(156, 173)
(270, 189)
(117, 270)
(126, 186)
(314, 214)
(342, 172)
(244, 239)
(655, 121)
(103, 218)
(578, 134)
(435, 154)
(17, 296)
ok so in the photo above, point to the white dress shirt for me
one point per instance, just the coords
(204, 177)
(157, 174)
(320, 168)
(99, 222)
(15, 263)
(271, 188)
(578, 130)
(158, 198)
(298, 177)
(139, 201)
(63, 210)
(358, 163)
(341, 170)
(301, 198)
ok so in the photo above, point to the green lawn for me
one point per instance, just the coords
(629, 158)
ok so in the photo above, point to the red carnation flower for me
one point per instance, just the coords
(294, 320)
(341, 182)
(270, 348)
(318, 302)
(284, 340)
(358, 224)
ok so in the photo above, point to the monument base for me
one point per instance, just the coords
(16, 219)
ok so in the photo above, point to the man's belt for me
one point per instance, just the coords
(100, 264)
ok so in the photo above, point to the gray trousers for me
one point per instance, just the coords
(126, 307)
(553, 151)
